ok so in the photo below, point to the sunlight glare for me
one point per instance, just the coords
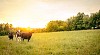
(28, 23)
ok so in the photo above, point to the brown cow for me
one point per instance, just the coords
(10, 35)
(26, 35)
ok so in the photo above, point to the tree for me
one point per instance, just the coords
(95, 20)
(5, 28)
(86, 22)
(71, 23)
(78, 22)
(57, 25)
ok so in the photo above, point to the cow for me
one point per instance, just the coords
(10, 35)
(18, 35)
(26, 35)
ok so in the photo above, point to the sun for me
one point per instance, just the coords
(28, 23)
(26, 20)
(21, 23)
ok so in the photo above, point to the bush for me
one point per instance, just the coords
(2, 33)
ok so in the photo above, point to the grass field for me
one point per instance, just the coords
(84, 42)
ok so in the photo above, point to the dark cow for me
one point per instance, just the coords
(26, 35)
(10, 35)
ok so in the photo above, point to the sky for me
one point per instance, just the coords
(37, 13)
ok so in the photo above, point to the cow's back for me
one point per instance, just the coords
(26, 35)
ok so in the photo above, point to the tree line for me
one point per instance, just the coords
(78, 22)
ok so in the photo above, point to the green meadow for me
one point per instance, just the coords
(83, 42)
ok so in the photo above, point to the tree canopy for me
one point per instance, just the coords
(78, 22)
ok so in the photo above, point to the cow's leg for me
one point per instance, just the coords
(28, 40)
(23, 39)
(20, 38)
(12, 38)
(16, 38)
(9, 38)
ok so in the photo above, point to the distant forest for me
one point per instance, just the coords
(78, 22)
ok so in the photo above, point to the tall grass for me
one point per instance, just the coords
(85, 42)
